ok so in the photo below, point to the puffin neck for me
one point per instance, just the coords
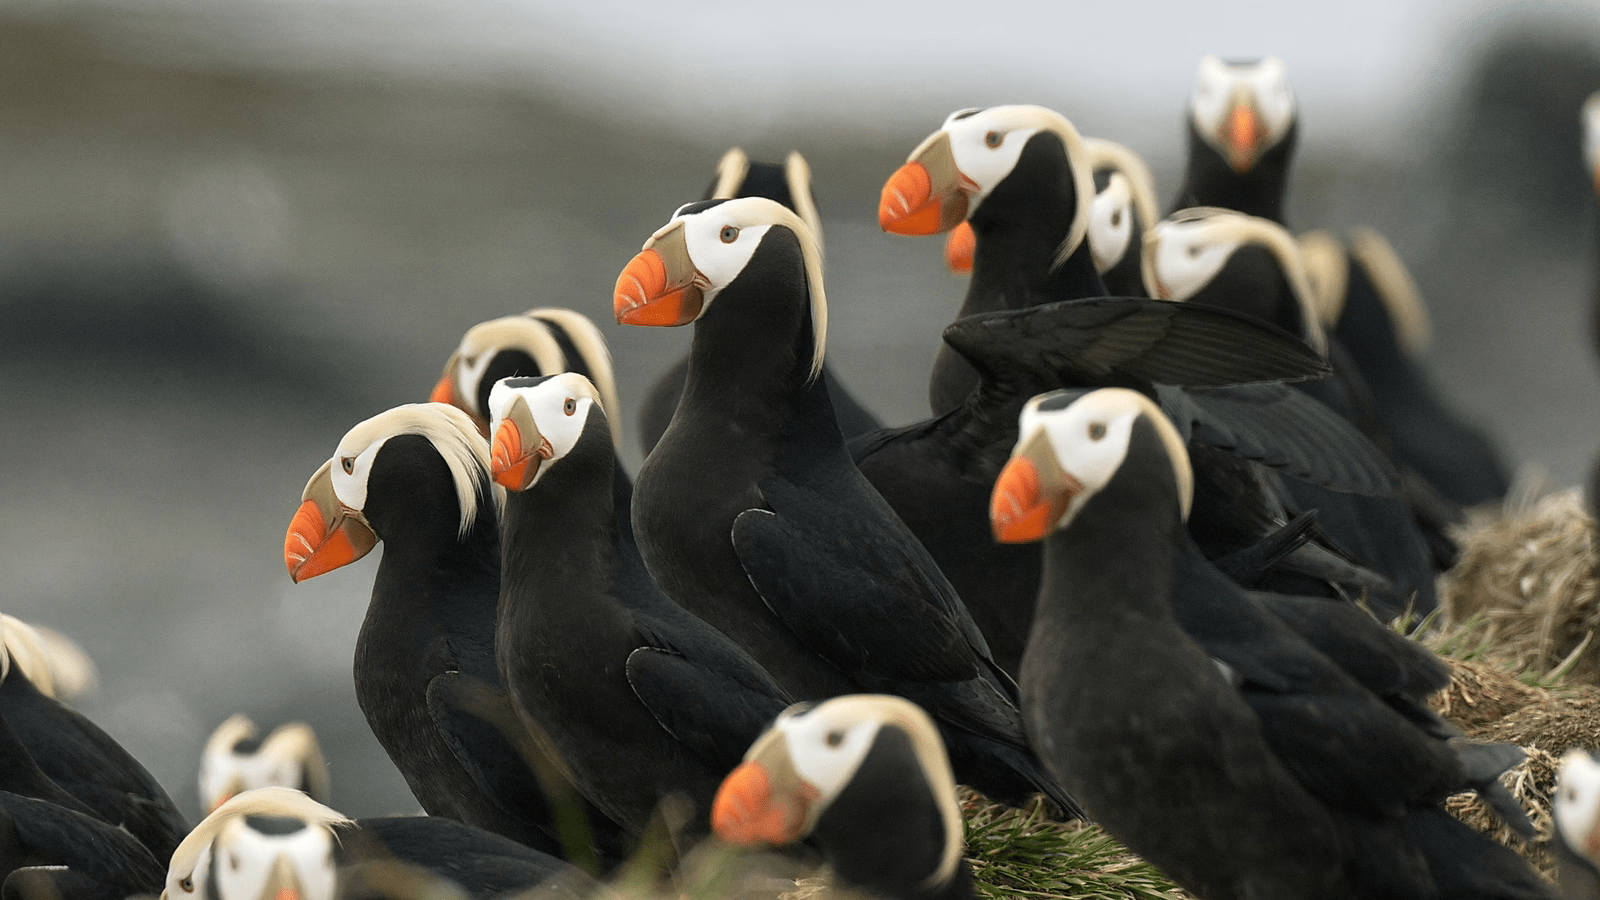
(412, 507)
(1020, 227)
(752, 348)
(1208, 179)
(572, 505)
(1129, 527)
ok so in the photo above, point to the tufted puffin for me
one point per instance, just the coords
(750, 514)
(278, 843)
(1200, 729)
(541, 341)
(1015, 174)
(237, 758)
(1224, 258)
(417, 478)
(649, 701)
(789, 184)
(937, 475)
(863, 777)
(1124, 206)
(1242, 127)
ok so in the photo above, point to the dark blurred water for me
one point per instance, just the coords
(206, 277)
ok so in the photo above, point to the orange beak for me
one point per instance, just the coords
(927, 195)
(1242, 134)
(1021, 509)
(747, 811)
(445, 390)
(512, 467)
(660, 286)
(959, 248)
(324, 534)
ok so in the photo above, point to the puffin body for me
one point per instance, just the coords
(417, 478)
(865, 779)
(750, 513)
(276, 842)
(642, 698)
(1224, 748)
(790, 185)
(1242, 128)
(85, 762)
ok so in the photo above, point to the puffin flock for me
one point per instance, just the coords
(1148, 563)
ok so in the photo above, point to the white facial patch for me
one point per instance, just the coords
(246, 861)
(719, 246)
(1180, 258)
(1111, 222)
(1576, 806)
(230, 773)
(350, 468)
(1264, 84)
(826, 749)
(986, 146)
(560, 407)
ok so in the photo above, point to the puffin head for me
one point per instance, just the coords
(536, 422)
(854, 752)
(1184, 253)
(266, 844)
(1242, 109)
(333, 527)
(788, 183)
(236, 760)
(689, 261)
(529, 344)
(1576, 805)
(1069, 451)
(1591, 138)
(55, 665)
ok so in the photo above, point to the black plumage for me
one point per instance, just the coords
(642, 698)
(425, 671)
(790, 185)
(820, 581)
(1256, 765)
(51, 852)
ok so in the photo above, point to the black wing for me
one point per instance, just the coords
(1281, 427)
(718, 731)
(1122, 340)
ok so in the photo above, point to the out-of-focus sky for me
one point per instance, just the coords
(723, 69)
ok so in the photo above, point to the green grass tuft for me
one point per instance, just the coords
(1017, 853)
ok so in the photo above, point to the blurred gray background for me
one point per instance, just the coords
(229, 231)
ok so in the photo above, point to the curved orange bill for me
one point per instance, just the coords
(511, 466)
(1020, 509)
(660, 285)
(1242, 134)
(444, 391)
(959, 248)
(747, 811)
(927, 195)
(324, 534)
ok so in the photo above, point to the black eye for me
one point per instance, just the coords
(1097, 430)
(1193, 252)
(187, 884)
(348, 463)
(993, 138)
(729, 234)
(1116, 218)
(835, 738)
(233, 862)
(570, 407)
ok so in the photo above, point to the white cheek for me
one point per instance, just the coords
(351, 487)
(1212, 89)
(470, 376)
(719, 261)
(1110, 223)
(986, 166)
(1185, 262)
(828, 767)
